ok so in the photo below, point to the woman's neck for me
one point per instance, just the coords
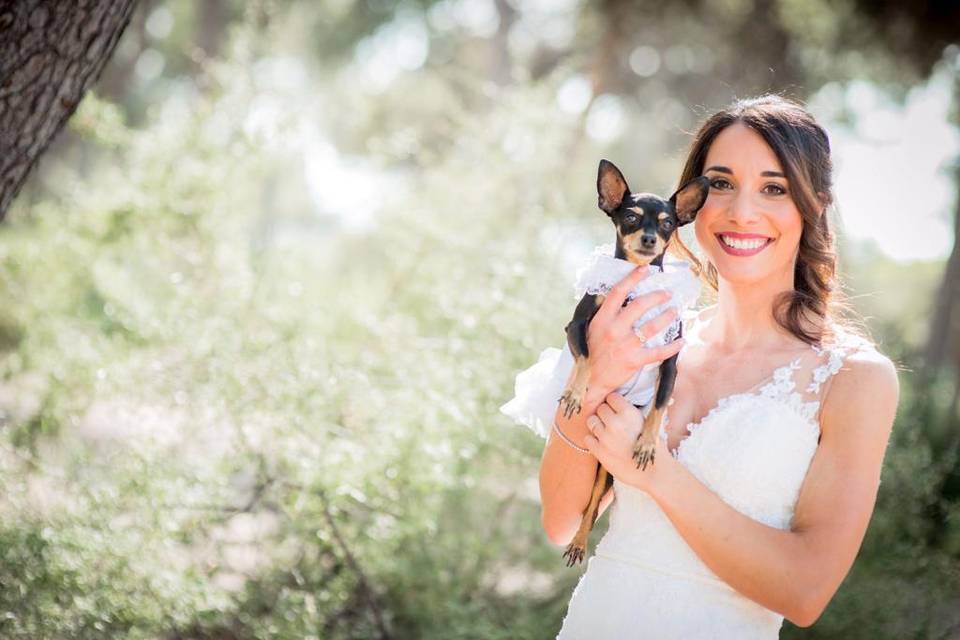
(742, 319)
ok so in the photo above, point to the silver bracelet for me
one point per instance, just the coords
(568, 440)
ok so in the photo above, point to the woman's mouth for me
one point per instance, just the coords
(742, 244)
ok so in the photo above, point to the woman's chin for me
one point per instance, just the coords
(744, 274)
(742, 280)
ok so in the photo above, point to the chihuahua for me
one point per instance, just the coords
(645, 223)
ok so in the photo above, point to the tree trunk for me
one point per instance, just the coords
(607, 68)
(213, 18)
(50, 54)
(501, 61)
(941, 345)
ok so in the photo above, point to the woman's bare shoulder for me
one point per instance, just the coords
(866, 391)
(862, 361)
(871, 371)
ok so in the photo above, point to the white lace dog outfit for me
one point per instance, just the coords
(538, 389)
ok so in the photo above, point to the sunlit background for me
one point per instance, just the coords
(262, 300)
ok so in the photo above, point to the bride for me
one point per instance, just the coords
(768, 462)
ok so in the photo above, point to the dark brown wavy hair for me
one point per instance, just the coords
(816, 305)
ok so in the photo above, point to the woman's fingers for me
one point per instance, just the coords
(618, 293)
(604, 412)
(658, 323)
(597, 448)
(618, 414)
(641, 305)
(617, 401)
(661, 353)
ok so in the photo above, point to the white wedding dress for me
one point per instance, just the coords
(752, 449)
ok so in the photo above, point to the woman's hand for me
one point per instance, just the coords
(616, 352)
(614, 430)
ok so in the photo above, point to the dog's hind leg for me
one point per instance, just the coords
(578, 546)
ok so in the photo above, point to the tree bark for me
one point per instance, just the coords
(941, 342)
(50, 54)
(501, 61)
(608, 65)
(940, 345)
(213, 18)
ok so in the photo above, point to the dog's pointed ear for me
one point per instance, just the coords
(611, 187)
(689, 198)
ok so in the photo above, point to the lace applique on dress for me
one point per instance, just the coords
(754, 448)
(782, 386)
(846, 344)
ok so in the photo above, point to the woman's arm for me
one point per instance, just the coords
(796, 572)
(567, 475)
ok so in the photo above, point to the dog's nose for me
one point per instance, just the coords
(648, 241)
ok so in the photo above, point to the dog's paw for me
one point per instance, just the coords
(643, 454)
(574, 553)
(571, 403)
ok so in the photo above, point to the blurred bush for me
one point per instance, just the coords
(255, 347)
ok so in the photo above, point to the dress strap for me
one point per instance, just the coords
(833, 356)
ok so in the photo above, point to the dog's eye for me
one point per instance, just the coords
(630, 218)
(666, 224)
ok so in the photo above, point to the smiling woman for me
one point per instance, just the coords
(769, 155)
(769, 458)
(749, 210)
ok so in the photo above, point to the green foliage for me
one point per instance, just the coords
(226, 414)
(219, 431)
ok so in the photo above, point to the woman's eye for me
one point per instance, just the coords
(775, 189)
(719, 183)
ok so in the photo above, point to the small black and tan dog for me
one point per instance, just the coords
(645, 223)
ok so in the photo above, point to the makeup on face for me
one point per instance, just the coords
(749, 211)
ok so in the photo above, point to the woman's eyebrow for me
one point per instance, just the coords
(765, 174)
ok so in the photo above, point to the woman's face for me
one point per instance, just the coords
(748, 206)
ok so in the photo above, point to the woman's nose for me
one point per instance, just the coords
(743, 208)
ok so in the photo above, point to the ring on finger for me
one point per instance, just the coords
(594, 423)
(641, 334)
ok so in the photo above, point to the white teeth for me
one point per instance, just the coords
(755, 243)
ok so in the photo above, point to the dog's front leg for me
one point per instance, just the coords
(645, 448)
(576, 390)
